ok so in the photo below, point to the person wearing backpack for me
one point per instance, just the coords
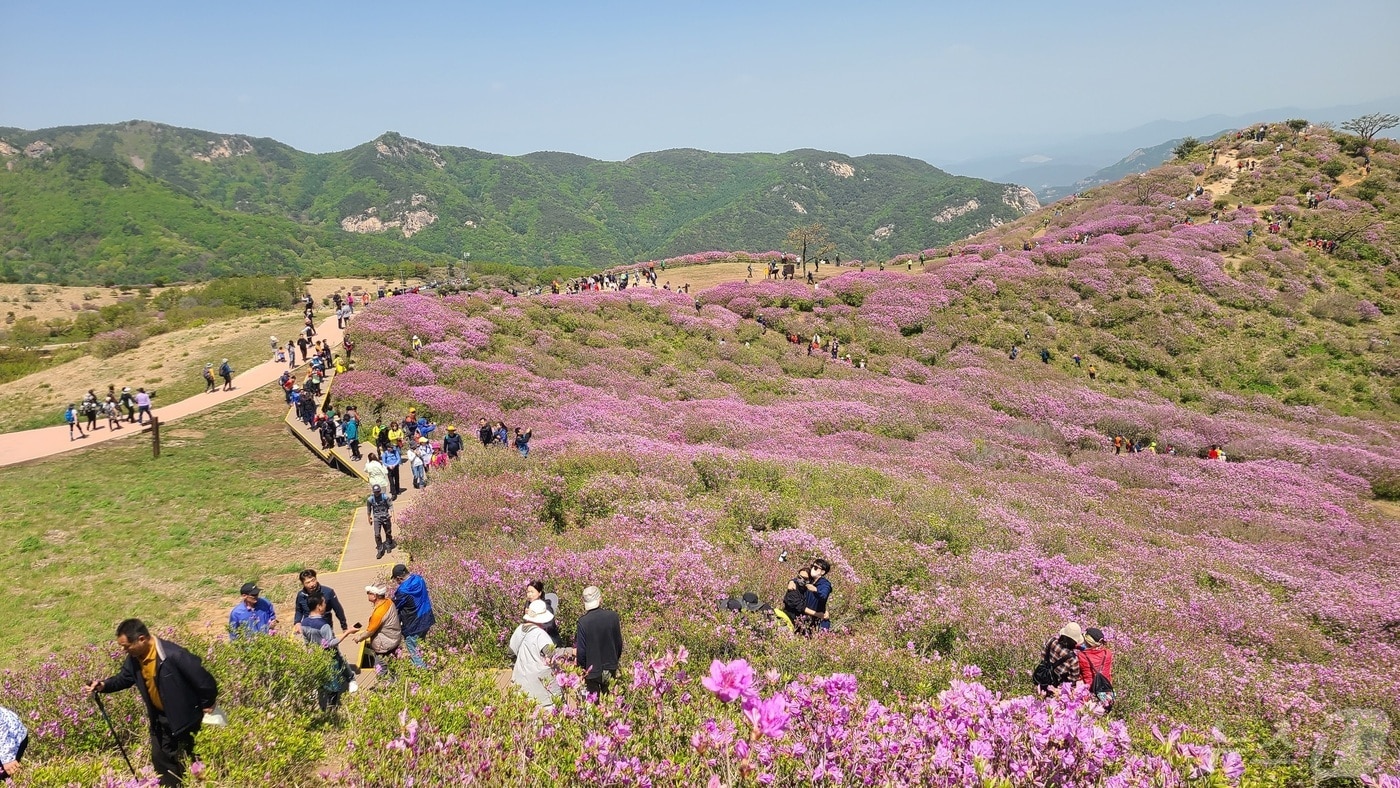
(209, 384)
(1096, 667)
(1059, 664)
(226, 372)
(71, 416)
(315, 629)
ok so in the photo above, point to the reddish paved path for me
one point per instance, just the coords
(17, 447)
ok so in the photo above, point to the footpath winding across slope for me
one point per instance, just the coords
(27, 445)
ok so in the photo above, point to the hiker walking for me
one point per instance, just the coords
(484, 433)
(351, 428)
(176, 688)
(393, 459)
(377, 473)
(90, 408)
(418, 465)
(143, 406)
(209, 384)
(129, 403)
(114, 420)
(226, 372)
(411, 596)
(597, 641)
(380, 508)
(73, 417)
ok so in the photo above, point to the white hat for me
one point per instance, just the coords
(592, 597)
(1073, 632)
(377, 590)
(538, 613)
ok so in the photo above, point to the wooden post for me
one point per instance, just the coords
(155, 436)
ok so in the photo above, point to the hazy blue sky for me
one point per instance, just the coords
(937, 80)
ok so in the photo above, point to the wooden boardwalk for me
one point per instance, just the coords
(357, 567)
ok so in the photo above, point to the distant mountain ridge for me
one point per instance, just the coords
(1047, 168)
(1140, 160)
(542, 208)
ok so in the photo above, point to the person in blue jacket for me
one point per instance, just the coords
(818, 595)
(253, 615)
(415, 611)
(392, 459)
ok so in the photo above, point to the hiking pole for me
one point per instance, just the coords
(98, 699)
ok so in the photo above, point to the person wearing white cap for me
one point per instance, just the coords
(384, 632)
(1058, 664)
(532, 648)
(598, 642)
(128, 401)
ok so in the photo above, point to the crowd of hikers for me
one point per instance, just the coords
(126, 406)
(180, 695)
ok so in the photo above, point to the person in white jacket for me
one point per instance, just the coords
(532, 648)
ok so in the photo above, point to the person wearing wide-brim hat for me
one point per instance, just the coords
(209, 384)
(452, 442)
(1060, 657)
(532, 647)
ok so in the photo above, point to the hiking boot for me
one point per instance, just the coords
(378, 551)
(391, 546)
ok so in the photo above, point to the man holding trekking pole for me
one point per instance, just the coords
(178, 691)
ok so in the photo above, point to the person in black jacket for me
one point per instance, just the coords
(310, 585)
(598, 642)
(485, 433)
(178, 692)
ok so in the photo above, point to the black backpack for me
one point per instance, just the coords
(1101, 687)
(1044, 673)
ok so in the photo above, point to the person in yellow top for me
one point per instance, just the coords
(395, 433)
(178, 692)
(339, 365)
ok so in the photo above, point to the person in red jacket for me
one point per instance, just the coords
(1095, 658)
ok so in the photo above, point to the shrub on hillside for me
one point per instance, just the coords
(110, 343)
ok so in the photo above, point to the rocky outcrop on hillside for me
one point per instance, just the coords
(408, 216)
(954, 211)
(393, 146)
(1020, 198)
(225, 148)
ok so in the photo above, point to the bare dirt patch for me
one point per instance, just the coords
(49, 301)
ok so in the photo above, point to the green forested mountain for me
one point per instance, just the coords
(133, 201)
